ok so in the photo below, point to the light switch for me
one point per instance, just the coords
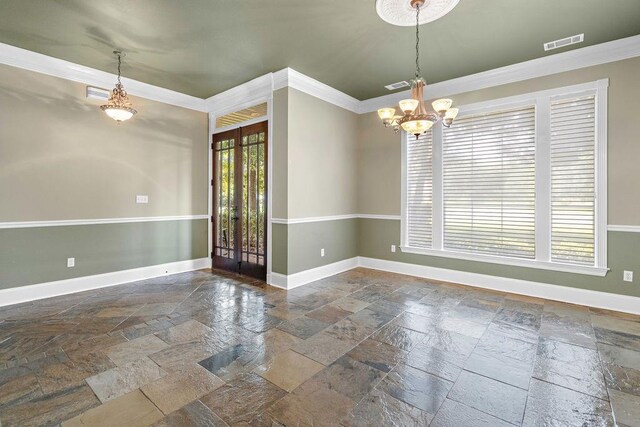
(322, 252)
(142, 199)
(71, 262)
(627, 276)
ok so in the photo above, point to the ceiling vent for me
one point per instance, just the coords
(97, 93)
(579, 38)
(394, 86)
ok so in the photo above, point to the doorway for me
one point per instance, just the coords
(240, 200)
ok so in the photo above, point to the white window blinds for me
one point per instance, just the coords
(420, 190)
(573, 181)
(488, 164)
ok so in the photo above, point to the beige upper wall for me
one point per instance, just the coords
(61, 157)
(322, 147)
(379, 159)
(378, 167)
(280, 152)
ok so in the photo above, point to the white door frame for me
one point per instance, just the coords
(213, 130)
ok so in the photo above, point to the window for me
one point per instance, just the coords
(419, 189)
(240, 116)
(514, 181)
(573, 181)
(488, 164)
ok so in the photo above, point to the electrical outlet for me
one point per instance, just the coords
(71, 262)
(142, 199)
(393, 248)
(322, 252)
(627, 276)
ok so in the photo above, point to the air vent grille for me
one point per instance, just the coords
(578, 38)
(97, 93)
(394, 86)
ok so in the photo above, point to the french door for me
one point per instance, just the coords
(240, 200)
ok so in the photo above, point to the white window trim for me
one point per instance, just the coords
(542, 101)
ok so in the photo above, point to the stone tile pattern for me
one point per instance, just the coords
(360, 348)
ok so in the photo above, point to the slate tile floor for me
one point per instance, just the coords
(362, 348)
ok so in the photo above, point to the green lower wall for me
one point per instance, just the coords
(37, 255)
(296, 247)
(279, 244)
(375, 237)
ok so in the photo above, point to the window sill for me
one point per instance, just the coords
(565, 268)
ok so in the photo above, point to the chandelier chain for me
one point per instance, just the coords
(418, 41)
(119, 64)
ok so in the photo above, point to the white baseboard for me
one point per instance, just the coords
(278, 280)
(79, 284)
(609, 301)
(623, 303)
(302, 278)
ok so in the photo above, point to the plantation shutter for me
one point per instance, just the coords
(573, 181)
(488, 165)
(420, 190)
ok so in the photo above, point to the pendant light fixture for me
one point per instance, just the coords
(118, 107)
(415, 118)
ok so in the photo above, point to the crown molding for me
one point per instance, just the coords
(589, 56)
(281, 79)
(28, 60)
(244, 94)
(262, 87)
(306, 84)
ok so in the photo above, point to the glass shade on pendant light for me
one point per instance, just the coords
(451, 114)
(408, 106)
(416, 127)
(441, 105)
(386, 113)
(117, 114)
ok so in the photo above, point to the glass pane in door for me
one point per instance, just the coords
(224, 239)
(253, 198)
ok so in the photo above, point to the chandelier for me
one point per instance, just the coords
(118, 107)
(415, 118)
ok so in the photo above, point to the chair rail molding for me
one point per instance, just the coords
(624, 228)
(67, 222)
